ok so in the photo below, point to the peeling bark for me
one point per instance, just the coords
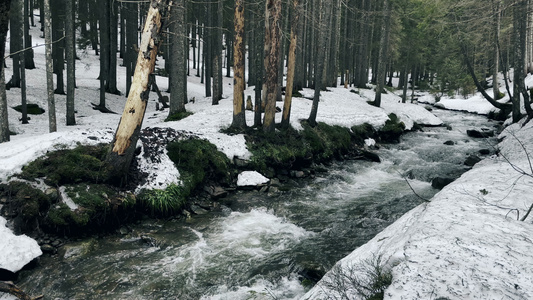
(128, 131)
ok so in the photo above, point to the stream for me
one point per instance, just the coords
(262, 245)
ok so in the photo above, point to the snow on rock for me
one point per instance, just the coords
(251, 178)
(16, 251)
(467, 242)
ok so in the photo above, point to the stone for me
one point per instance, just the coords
(449, 143)
(198, 210)
(297, 174)
(47, 248)
(216, 192)
(240, 162)
(472, 160)
(441, 182)
(370, 156)
(485, 133)
(124, 230)
(484, 151)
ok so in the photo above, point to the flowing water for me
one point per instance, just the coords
(259, 245)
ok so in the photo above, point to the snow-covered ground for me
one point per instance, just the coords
(465, 244)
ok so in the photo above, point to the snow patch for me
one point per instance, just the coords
(251, 178)
(16, 251)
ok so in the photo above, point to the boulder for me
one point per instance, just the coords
(449, 143)
(440, 182)
(370, 156)
(485, 133)
(484, 151)
(472, 160)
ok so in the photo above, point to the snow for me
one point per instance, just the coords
(465, 244)
(251, 178)
(16, 251)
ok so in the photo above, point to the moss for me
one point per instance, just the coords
(178, 116)
(392, 130)
(198, 161)
(363, 132)
(82, 164)
(290, 149)
(61, 217)
(25, 200)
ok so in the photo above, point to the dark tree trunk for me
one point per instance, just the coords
(28, 53)
(70, 58)
(58, 45)
(178, 83)
(4, 21)
(15, 42)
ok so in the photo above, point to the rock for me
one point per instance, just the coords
(264, 189)
(198, 210)
(216, 192)
(478, 134)
(440, 182)
(484, 151)
(240, 162)
(79, 249)
(449, 143)
(124, 230)
(56, 243)
(370, 156)
(297, 174)
(472, 160)
(47, 248)
(275, 182)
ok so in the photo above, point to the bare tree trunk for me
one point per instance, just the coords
(4, 21)
(285, 121)
(322, 43)
(129, 128)
(239, 116)
(383, 53)
(496, 49)
(274, 8)
(217, 57)
(70, 58)
(52, 123)
(22, 66)
(178, 83)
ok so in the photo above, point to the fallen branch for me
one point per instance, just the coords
(10, 288)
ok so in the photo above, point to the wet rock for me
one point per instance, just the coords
(79, 249)
(57, 243)
(47, 248)
(371, 156)
(441, 182)
(480, 134)
(216, 192)
(449, 143)
(472, 160)
(297, 174)
(240, 162)
(264, 189)
(484, 151)
(275, 182)
(124, 230)
(196, 209)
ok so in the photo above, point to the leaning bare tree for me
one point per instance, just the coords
(129, 127)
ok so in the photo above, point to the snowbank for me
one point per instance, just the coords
(467, 242)
(16, 251)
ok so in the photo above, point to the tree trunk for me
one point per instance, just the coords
(217, 57)
(28, 53)
(22, 66)
(15, 42)
(285, 121)
(52, 124)
(239, 116)
(112, 23)
(274, 12)
(58, 46)
(383, 53)
(178, 84)
(129, 128)
(322, 44)
(70, 58)
(496, 49)
(4, 21)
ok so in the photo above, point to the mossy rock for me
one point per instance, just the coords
(392, 130)
(31, 109)
(82, 164)
(24, 200)
(198, 161)
(363, 132)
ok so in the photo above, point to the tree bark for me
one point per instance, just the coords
(4, 21)
(22, 66)
(274, 12)
(239, 116)
(496, 49)
(129, 128)
(70, 58)
(217, 57)
(285, 120)
(15, 42)
(322, 43)
(52, 123)
(383, 52)
(178, 83)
